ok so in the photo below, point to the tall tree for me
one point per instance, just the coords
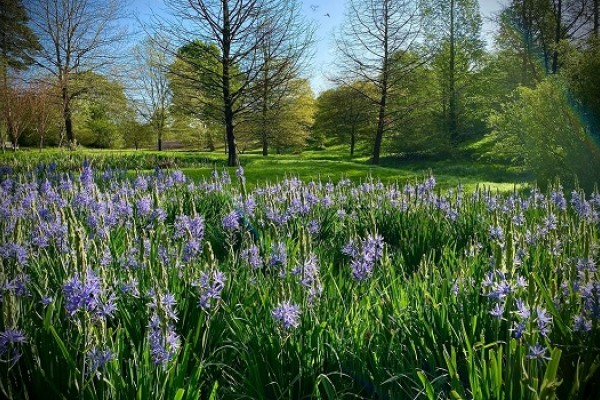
(42, 103)
(596, 16)
(344, 116)
(153, 94)
(77, 36)
(291, 119)
(283, 54)
(548, 27)
(18, 46)
(195, 80)
(239, 29)
(18, 112)
(454, 28)
(374, 33)
(101, 111)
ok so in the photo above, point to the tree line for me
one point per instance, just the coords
(413, 78)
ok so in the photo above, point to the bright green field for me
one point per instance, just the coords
(332, 164)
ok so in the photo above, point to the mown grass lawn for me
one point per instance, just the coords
(332, 164)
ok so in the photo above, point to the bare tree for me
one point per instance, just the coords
(283, 54)
(239, 29)
(152, 91)
(77, 36)
(596, 17)
(43, 108)
(377, 34)
(17, 112)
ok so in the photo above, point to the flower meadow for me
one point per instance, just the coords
(119, 285)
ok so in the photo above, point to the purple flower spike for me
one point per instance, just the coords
(287, 314)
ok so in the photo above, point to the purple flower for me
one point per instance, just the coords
(188, 227)
(308, 272)
(164, 341)
(287, 314)
(87, 176)
(85, 294)
(361, 269)
(350, 249)
(97, 359)
(10, 339)
(497, 311)
(178, 176)
(314, 227)
(373, 247)
(364, 258)
(46, 301)
(231, 222)
(11, 336)
(522, 310)
(496, 233)
(544, 321)
(192, 249)
(518, 330)
(144, 206)
(239, 172)
(537, 352)
(225, 178)
(252, 256)
(278, 255)
(140, 183)
(581, 324)
(210, 286)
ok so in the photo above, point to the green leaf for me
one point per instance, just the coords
(213, 392)
(179, 394)
(426, 385)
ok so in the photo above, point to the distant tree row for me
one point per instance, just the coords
(413, 79)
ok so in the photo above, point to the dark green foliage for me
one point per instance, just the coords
(18, 43)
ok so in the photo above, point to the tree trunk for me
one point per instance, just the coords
(380, 124)
(384, 88)
(557, 35)
(352, 140)
(227, 98)
(264, 136)
(596, 17)
(67, 116)
(526, 28)
(265, 145)
(452, 111)
(160, 141)
(264, 111)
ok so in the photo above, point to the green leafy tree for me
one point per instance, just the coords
(581, 71)
(540, 129)
(290, 125)
(102, 111)
(344, 116)
(295, 118)
(18, 47)
(195, 82)
(374, 33)
(454, 28)
(77, 37)
(239, 29)
(136, 134)
(414, 132)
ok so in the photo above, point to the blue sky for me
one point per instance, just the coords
(328, 16)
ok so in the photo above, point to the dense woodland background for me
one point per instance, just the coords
(413, 80)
